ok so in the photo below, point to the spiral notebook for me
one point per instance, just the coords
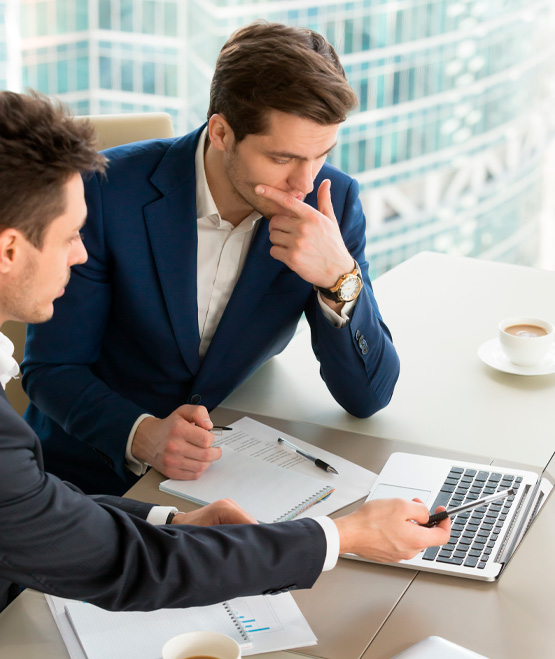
(132, 634)
(268, 492)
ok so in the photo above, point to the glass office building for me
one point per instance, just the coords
(456, 99)
(106, 56)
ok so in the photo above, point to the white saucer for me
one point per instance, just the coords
(492, 354)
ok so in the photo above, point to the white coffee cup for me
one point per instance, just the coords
(522, 345)
(191, 644)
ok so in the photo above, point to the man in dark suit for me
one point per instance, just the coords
(107, 550)
(190, 286)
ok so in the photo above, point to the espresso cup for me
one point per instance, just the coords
(525, 340)
(201, 644)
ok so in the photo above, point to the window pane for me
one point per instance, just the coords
(148, 78)
(104, 18)
(127, 75)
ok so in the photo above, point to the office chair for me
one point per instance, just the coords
(111, 130)
(116, 129)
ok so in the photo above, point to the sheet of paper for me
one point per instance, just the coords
(274, 622)
(130, 635)
(257, 440)
(267, 492)
(57, 608)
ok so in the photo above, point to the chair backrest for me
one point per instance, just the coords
(116, 129)
(14, 391)
(111, 130)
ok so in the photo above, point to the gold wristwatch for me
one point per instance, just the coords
(347, 287)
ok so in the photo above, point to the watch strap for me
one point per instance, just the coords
(171, 515)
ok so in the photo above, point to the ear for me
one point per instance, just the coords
(10, 242)
(220, 133)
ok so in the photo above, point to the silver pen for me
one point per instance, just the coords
(437, 517)
(319, 463)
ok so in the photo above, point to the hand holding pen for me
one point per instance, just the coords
(180, 445)
(319, 463)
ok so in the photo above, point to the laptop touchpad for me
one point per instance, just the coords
(384, 491)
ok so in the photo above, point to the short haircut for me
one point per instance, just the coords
(269, 66)
(41, 147)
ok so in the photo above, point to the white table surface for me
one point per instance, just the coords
(440, 309)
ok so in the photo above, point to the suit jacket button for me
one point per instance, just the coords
(195, 399)
(357, 335)
(362, 341)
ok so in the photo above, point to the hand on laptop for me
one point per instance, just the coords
(388, 530)
(179, 446)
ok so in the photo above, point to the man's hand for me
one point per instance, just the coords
(384, 530)
(308, 240)
(179, 446)
(225, 511)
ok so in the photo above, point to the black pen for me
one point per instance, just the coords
(437, 517)
(221, 428)
(319, 463)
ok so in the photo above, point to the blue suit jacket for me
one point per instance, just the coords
(124, 339)
(59, 541)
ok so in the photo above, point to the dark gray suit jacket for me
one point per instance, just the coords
(57, 540)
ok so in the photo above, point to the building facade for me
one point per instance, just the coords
(106, 56)
(448, 141)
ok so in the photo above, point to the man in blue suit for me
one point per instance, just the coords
(204, 252)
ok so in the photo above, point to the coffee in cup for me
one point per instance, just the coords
(525, 340)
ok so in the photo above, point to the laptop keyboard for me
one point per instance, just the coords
(473, 532)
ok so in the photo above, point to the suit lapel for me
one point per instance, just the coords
(172, 228)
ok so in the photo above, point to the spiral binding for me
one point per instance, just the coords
(303, 505)
(238, 624)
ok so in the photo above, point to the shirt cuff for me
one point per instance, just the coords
(332, 542)
(159, 514)
(138, 467)
(334, 318)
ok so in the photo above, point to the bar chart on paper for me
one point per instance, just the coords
(258, 619)
(273, 622)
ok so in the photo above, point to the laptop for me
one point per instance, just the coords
(484, 538)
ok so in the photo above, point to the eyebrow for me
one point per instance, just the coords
(286, 154)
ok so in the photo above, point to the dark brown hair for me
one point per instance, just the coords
(269, 66)
(41, 146)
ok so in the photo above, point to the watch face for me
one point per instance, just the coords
(349, 289)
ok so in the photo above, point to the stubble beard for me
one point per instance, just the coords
(20, 301)
(243, 190)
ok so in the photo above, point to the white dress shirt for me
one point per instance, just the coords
(9, 368)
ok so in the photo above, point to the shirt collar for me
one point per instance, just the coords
(9, 368)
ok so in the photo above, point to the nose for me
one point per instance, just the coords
(301, 179)
(77, 254)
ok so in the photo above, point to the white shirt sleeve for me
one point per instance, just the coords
(334, 318)
(332, 541)
(138, 467)
(159, 514)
